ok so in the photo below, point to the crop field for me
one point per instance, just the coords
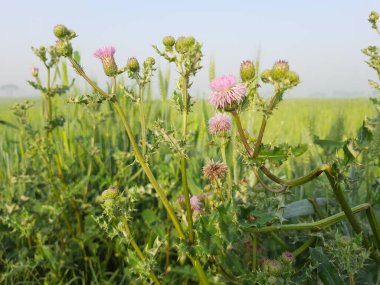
(143, 183)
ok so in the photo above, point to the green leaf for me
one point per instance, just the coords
(326, 271)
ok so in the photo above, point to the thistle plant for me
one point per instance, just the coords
(196, 197)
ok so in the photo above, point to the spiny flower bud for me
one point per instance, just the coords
(133, 64)
(60, 31)
(180, 45)
(293, 77)
(106, 56)
(275, 268)
(150, 61)
(287, 257)
(34, 71)
(110, 193)
(63, 48)
(247, 70)
(189, 41)
(373, 17)
(266, 76)
(280, 69)
(168, 41)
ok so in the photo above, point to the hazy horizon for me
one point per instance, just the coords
(321, 40)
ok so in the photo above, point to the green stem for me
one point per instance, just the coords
(185, 190)
(229, 180)
(241, 133)
(199, 269)
(375, 226)
(299, 181)
(128, 234)
(142, 118)
(318, 225)
(280, 241)
(304, 246)
(266, 187)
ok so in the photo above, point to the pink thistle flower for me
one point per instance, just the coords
(106, 55)
(214, 170)
(219, 124)
(195, 204)
(226, 93)
(181, 199)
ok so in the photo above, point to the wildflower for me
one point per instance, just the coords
(150, 61)
(34, 71)
(110, 193)
(181, 199)
(214, 170)
(373, 17)
(219, 124)
(106, 56)
(226, 93)
(247, 70)
(195, 204)
(133, 64)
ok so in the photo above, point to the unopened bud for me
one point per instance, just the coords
(180, 45)
(34, 71)
(287, 257)
(168, 41)
(150, 61)
(293, 77)
(275, 268)
(60, 31)
(133, 64)
(266, 76)
(63, 48)
(247, 70)
(189, 41)
(279, 70)
(110, 193)
(373, 17)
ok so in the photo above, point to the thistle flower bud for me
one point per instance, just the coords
(106, 55)
(60, 31)
(168, 41)
(373, 17)
(266, 76)
(279, 70)
(219, 124)
(287, 257)
(189, 42)
(247, 70)
(293, 77)
(273, 267)
(150, 61)
(133, 64)
(110, 193)
(34, 71)
(63, 48)
(180, 45)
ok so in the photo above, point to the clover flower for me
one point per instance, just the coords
(226, 93)
(106, 56)
(214, 170)
(219, 124)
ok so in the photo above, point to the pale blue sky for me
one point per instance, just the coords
(320, 39)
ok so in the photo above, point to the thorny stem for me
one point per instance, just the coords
(142, 118)
(241, 133)
(229, 180)
(254, 251)
(128, 235)
(266, 187)
(189, 216)
(375, 226)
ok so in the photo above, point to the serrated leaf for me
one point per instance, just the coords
(326, 271)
